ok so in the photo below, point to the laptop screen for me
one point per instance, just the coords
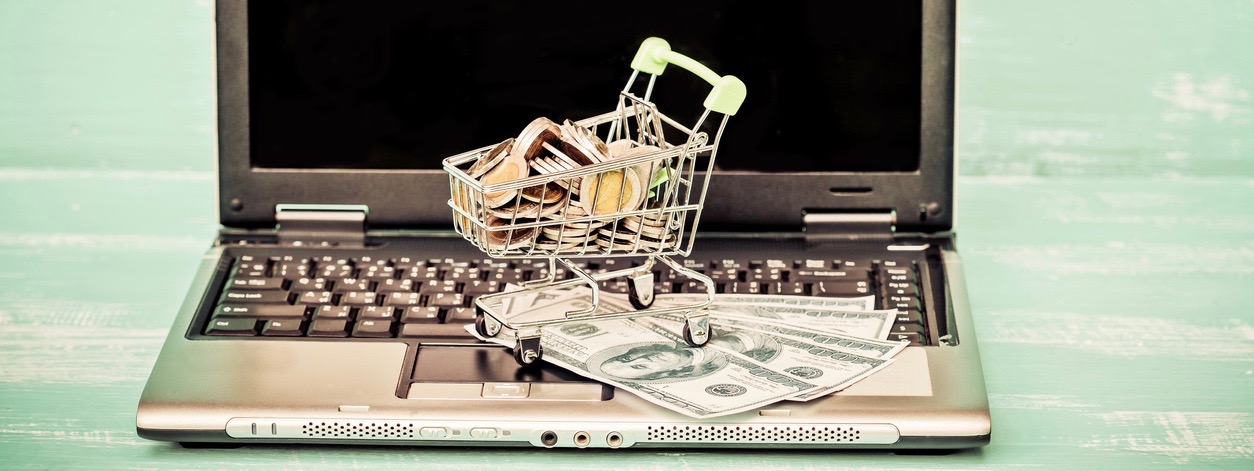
(833, 86)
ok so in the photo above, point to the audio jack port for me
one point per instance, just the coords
(548, 438)
(582, 439)
(614, 439)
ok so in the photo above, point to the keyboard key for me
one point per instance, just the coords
(837, 288)
(262, 311)
(328, 328)
(907, 329)
(902, 302)
(459, 315)
(359, 298)
(372, 328)
(333, 312)
(282, 328)
(750, 287)
(316, 297)
(423, 273)
(309, 284)
(404, 264)
(255, 283)
(789, 288)
(351, 284)
(421, 315)
(415, 330)
(403, 299)
(395, 286)
(909, 317)
(901, 289)
(914, 339)
(378, 273)
(446, 300)
(848, 274)
(256, 297)
(897, 264)
(237, 326)
(253, 269)
(375, 312)
(438, 286)
(481, 287)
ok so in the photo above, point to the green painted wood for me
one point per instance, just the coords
(1104, 219)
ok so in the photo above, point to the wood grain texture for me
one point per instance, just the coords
(1104, 220)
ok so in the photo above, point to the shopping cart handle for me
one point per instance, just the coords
(728, 93)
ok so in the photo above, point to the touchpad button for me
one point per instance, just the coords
(487, 372)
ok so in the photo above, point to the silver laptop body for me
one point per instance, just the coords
(442, 387)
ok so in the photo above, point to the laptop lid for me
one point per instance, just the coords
(850, 105)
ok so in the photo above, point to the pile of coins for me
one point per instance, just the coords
(568, 207)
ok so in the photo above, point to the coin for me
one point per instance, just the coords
(616, 148)
(589, 139)
(510, 169)
(533, 137)
(546, 193)
(643, 169)
(489, 160)
(612, 242)
(610, 192)
(581, 146)
(501, 236)
(547, 165)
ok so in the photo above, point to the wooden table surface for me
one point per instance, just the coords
(1104, 214)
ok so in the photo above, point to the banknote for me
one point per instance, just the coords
(698, 382)
(866, 324)
(864, 303)
(833, 340)
(830, 369)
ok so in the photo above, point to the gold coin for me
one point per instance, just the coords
(611, 192)
(512, 168)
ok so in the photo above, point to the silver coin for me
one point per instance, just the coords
(547, 193)
(490, 159)
(530, 142)
(501, 236)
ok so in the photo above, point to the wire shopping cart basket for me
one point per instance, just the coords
(560, 192)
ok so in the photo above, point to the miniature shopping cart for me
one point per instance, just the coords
(644, 202)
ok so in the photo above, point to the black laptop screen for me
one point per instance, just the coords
(833, 86)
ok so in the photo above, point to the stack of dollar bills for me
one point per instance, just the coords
(763, 348)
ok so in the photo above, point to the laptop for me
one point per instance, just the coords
(333, 120)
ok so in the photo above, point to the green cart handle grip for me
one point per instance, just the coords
(728, 93)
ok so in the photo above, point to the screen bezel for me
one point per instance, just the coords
(248, 196)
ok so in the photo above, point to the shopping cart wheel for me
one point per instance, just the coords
(485, 326)
(697, 331)
(528, 351)
(640, 290)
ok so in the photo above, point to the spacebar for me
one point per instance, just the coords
(434, 330)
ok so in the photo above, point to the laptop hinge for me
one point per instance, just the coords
(820, 226)
(321, 225)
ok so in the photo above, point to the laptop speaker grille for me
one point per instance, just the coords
(357, 430)
(751, 434)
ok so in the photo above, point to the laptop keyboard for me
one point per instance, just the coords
(365, 297)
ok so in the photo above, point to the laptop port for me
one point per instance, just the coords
(614, 439)
(548, 438)
(582, 439)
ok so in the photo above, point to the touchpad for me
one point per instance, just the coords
(488, 372)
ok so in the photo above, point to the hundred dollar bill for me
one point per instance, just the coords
(697, 382)
(864, 303)
(831, 369)
(867, 324)
(833, 340)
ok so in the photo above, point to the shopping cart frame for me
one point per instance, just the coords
(673, 168)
